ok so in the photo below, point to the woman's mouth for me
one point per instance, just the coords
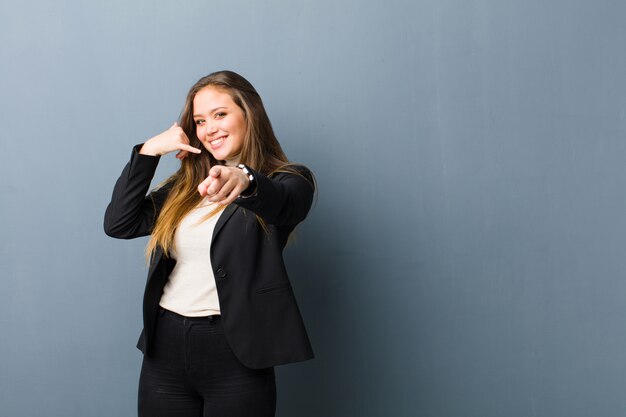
(217, 142)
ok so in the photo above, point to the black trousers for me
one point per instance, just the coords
(192, 372)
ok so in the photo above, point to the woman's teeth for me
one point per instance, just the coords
(217, 141)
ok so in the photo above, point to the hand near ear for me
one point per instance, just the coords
(173, 139)
(224, 184)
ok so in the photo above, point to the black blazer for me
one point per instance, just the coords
(260, 316)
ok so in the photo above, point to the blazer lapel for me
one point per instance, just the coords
(224, 216)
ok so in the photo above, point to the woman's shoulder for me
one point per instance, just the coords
(294, 169)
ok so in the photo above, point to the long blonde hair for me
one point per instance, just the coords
(260, 151)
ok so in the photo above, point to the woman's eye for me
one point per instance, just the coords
(220, 115)
(199, 122)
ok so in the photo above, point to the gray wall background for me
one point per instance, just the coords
(466, 256)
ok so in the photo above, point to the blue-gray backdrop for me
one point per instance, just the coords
(466, 256)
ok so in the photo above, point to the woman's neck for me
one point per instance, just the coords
(232, 162)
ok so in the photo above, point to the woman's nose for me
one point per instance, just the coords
(211, 129)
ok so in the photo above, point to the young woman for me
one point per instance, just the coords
(219, 312)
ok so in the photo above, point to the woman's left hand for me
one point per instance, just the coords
(224, 184)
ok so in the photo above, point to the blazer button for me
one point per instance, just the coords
(220, 273)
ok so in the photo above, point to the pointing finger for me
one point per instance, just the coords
(189, 148)
(202, 187)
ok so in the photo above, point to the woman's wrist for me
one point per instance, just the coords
(250, 190)
(148, 149)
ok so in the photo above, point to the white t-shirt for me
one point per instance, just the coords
(190, 290)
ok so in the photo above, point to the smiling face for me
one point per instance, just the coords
(220, 124)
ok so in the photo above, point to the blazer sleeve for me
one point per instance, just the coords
(282, 198)
(131, 213)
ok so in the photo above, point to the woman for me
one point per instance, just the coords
(218, 308)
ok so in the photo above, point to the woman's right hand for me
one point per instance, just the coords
(173, 139)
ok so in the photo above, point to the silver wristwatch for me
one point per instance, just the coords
(246, 171)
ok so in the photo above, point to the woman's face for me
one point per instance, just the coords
(220, 123)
